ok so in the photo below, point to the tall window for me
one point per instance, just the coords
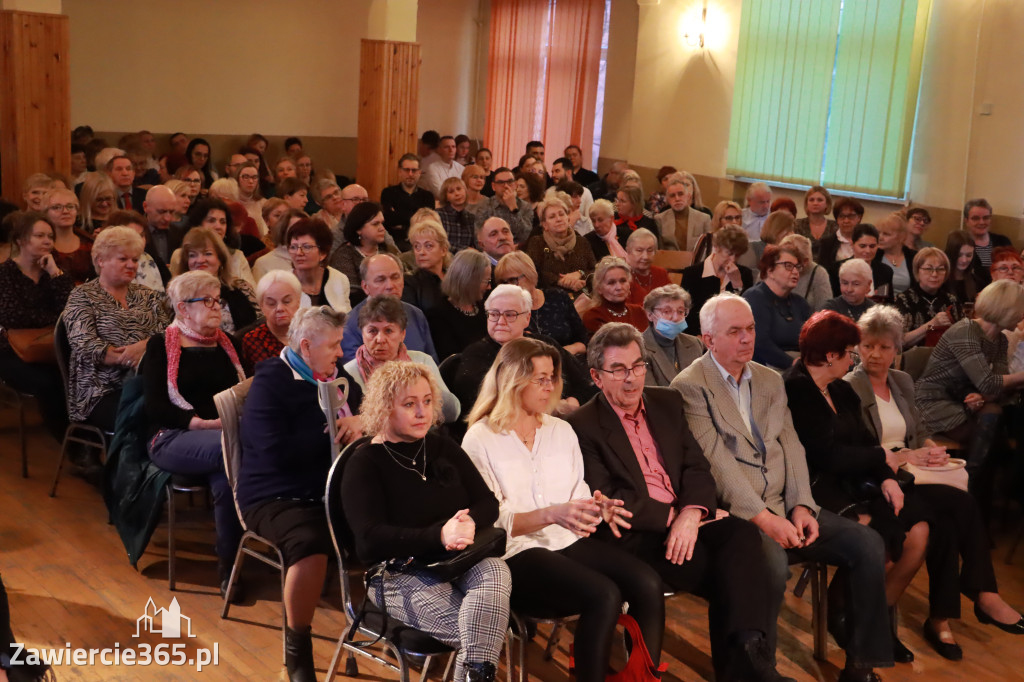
(543, 74)
(826, 92)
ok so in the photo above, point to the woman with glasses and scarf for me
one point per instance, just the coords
(184, 367)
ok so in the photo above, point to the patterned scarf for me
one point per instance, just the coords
(172, 344)
(560, 246)
(367, 363)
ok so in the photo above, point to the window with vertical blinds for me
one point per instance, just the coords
(826, 92)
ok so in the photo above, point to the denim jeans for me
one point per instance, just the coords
(858, 550)
(198, 453)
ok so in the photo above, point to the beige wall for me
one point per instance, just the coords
(227, 68)
(618, 87)
(682, 98)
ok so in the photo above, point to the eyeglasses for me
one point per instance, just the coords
(60, 208)
(941, 269)
(666, 312)
(847, 216)
(509, 316)
(104, 200)
(249, 177)
(512, 280)
(622, 373)
(543, 382)
(1005, 268)
(789, 267)
(732, 219)
(502, 182)
(304, 248)
(356, 200)
(194, 182)
(209, 301)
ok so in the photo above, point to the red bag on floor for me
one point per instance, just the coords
(640, 667)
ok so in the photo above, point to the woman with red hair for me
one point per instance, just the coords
(849, 468)
(1007, 264)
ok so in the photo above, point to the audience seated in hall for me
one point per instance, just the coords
(459, 319)
(668, 349)
(780, 314)
(758, 200)
(816, 225)
(680, 225)
(641, 247)
(720, 270)
(202, 249)
(607, 238)
(309, 241)
(562, 257)
(279, 295)
(865, 247)
(399, 202)
(443, 168)
(610, 297)
(431, 256)
(516, 212)
(854, 287)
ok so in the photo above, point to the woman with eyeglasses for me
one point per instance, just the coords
(918, 220)
(1006, 264)
(203, 249)
(185, 367)
(382, 322)
(72, 248)
(552, 313)
(193, 178)
(928, 306)
(248, 176)
(309, 243)
(532, 463)
(508, 317)
(778, 313)
(668, 349)
(98, 200)
(850, 468)
(459, 319)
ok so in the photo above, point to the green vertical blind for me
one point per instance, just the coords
(826, 92)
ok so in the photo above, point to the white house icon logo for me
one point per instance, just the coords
(170, 621)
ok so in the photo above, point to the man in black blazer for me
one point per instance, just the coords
(638, 448)
(161, 237)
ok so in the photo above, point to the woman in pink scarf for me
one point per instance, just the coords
(382, 322)
(183, 369)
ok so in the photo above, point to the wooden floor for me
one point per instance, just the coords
(69, 581)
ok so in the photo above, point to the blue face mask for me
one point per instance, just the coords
(668, 329)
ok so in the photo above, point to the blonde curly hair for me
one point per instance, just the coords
(385, 385)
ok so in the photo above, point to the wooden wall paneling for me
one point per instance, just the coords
(35, 103)
(388, 106)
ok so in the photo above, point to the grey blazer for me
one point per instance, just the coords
(901, 387)
(746, 482)
(663, 368)
(697, 223)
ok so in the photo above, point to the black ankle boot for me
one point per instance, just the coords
(900, 653)
(298, 654)
(480, 672)
(751, 661)
(224, 576)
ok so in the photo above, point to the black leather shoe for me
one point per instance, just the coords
(858, 675)
(900, 653)
(1013, 628)
(948, 650)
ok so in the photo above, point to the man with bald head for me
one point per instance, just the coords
(231, 167)
(494, 238)
(759, 202)
(161, 240)
(382, 275)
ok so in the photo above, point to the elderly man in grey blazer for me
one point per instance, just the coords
(680, 224)
(737, 411)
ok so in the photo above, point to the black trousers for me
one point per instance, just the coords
(728, 569)
(590, 578)
(44, 382)
(104, 414)
(958, 532)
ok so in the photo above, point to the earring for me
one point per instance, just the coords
(830, 364)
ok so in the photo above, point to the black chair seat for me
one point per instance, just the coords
(408, 639)
(183, 482)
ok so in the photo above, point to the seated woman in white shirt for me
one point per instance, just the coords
(532, 462)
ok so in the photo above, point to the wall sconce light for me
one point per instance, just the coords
(695, 30)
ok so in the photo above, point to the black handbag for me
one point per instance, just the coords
(489, 542)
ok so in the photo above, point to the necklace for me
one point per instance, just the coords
(650, 279)
(625, 311)
(472, 312)
(400, 459)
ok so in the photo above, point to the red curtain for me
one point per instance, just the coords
(542, 52)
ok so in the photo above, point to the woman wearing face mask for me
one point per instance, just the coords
(668, 349)
(718, 272)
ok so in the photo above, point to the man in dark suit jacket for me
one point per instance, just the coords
(637, 448)
(161, 237)
(399, 202)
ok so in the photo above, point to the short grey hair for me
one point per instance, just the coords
(511, 290)
(709, 311)
(462, 282)
(309, 323)
(668, 292)
(189, 284)
(855, 266)
(224, 188)
(602, 206)
(383, 309)
(678, 178)
(976, 203)
(116, 238)
(611, 335)
(278, 277)
(882, 321)
(638, 234)
(755, 188)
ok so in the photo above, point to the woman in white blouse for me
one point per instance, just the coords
(532, 462)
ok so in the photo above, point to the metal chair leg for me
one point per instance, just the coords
(819, 610)
(549, 650)
(236, 568)
(170, 538)
(21, 435)
(60, 463)
(333, 669)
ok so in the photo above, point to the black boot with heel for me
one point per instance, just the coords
(298, 654)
